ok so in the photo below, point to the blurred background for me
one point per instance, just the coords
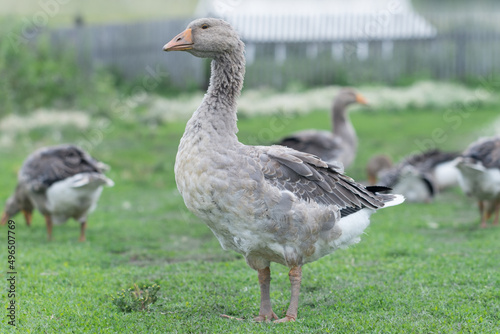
(53, 49)
(84, 66)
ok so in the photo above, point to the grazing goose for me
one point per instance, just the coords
(268, 203)
(18, 202)
(342, 144)
(62, 182)
(479, 177)
(420, 176)
(377, 164)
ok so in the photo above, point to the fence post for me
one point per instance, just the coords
(460, 57)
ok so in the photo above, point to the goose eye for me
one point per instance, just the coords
(205, 26)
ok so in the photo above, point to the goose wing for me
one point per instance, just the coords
(312, 139)
(320, 143)
(312, 179)
(52, 164)
(428, 160)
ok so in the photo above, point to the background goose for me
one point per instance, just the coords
(269, 203)
(420, 176)
(376, 165)
(62, 182)
(342, 144)
(479, 177)
(18, 202)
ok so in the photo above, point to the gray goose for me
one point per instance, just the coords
(479, 177)
(376, 165)
(268, 203)
(62, 182)
(339, 145)
(419, 177)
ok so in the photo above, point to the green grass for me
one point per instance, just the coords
(420, 268)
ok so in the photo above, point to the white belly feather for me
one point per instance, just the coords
(75, 197)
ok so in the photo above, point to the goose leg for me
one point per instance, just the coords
(295, 276)
(48, 222)
(27, 217)
(483, 212)
(266, 313)
(83, 226)
(4, 219)
(497, 211)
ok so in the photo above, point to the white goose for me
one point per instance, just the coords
(479, 167)
(62, 182)
(269, 203)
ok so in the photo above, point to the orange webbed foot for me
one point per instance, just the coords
(266, 317)
(287, 318)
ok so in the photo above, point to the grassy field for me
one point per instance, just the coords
(58, 13)
(420, 268)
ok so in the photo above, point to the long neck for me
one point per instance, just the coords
(217, 113)
(342, 126)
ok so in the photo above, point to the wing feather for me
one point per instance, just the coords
(52, 164)
(312, 179)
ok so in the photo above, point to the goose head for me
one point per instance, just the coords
(348, 96)
(205, 38)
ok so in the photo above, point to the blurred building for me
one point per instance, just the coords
(313, 42)
(348, 26)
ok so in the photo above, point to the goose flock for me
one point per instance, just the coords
(290, 203)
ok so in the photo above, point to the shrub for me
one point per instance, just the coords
(135, 298)
(36, 74)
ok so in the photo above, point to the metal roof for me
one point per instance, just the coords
(321, 20)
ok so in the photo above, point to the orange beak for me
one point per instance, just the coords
(361, 99)
(181, 42)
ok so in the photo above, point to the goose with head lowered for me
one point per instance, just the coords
(61, 182)
(479, 177)
(268, 203)
(339, 145)
(420, 176)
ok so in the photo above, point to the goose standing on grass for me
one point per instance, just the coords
(419, 177)
(479, 167)
(342, 144)
(268, 203)
(62, 182)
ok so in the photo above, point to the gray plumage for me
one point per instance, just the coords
(339, 145)
(271, 204)
(17, 202)
(484, 150)
(419, 177)
(51, 164)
